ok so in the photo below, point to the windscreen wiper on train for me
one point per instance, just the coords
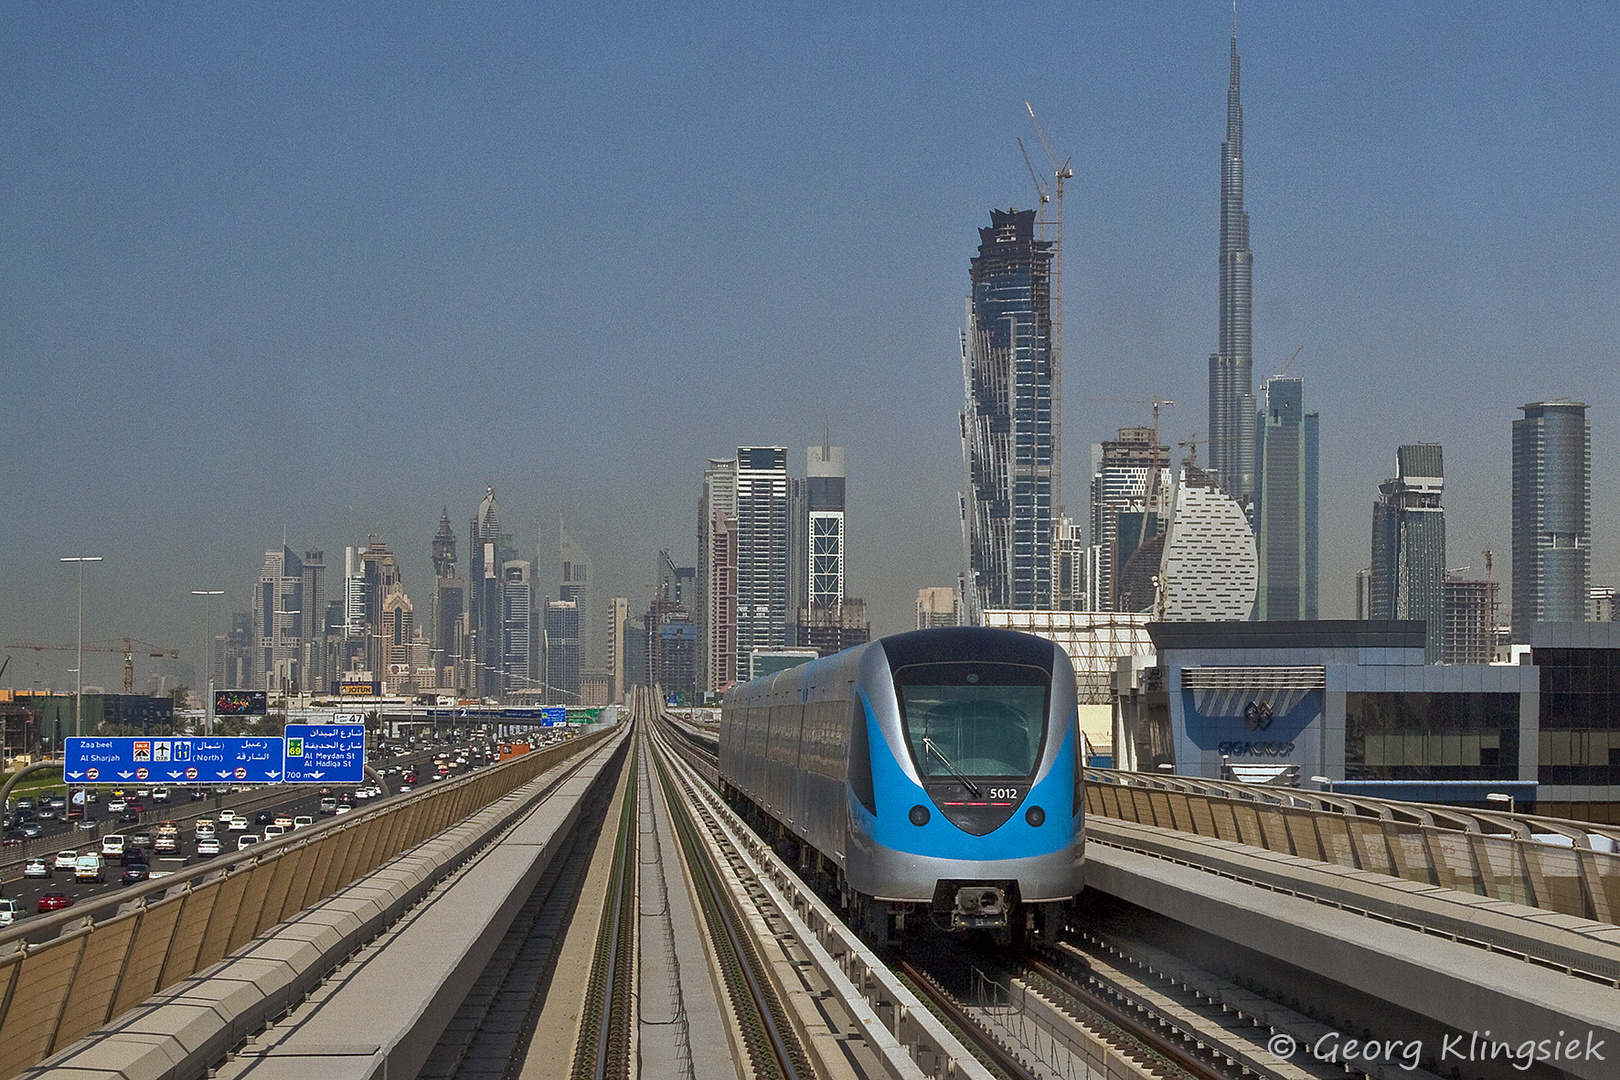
(928, 744)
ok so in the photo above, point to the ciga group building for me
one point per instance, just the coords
(1355, 703)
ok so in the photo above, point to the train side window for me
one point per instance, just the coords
(860, 756)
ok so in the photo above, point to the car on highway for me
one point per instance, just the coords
(208, 846)
(160, 795)
(90, 867)
(64, 860)
(10, 911)
(36, 868)
(302, 821)
(344, 808)
(204, 827)
(53, 901)
(226, 815)
(285, 821)
(117, 805)
(198, 794)
(272, 831)
(135, 873)
(238, 824)
(246, 840)
(88, 824)
(141, 840)
(329, 805)
(112, 844)
(32, 829)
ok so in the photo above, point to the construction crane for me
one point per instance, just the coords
(1290, 362)
(1060, 173)
(1191, 445)
(122, 645)
(1157, 403)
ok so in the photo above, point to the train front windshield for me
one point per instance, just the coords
(972, 719)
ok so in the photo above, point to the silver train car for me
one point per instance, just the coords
(936, 773)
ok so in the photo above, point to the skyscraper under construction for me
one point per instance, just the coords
(1010, 437)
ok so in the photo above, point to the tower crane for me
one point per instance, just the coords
(122, 645)
(1191, 445)
(1290, 362)
(1060, 173)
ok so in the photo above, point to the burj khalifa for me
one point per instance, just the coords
(1231, 370)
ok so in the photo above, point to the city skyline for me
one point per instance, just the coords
(319, 276)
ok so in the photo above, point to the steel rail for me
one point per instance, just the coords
(603, 1049)
(768, 1035)
(995, 1054)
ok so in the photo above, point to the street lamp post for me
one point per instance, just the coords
(1498, 796)
(208, 653)
(78, 677)
(1324, 780)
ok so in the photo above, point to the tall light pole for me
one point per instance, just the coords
(208, 654)
(78, 677)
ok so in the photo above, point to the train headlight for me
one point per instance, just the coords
(1035, 816)
(919, 815)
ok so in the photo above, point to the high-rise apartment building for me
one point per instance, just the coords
(1408, 575)
(938, 606)
(715, 606)
(1069, 550)
(762, 551)
(1469, 613)
(520, 631)
(1011, 442)
(449, 606)
(318, 656)
(562, 652)
(1552, 514)
(618, 670)
(824, 554)
(1286, 464)
(491, 549)
(1130, 489)
(278, 623)
(576, 586)
(1231, 370)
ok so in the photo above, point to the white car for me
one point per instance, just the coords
(238, 824)
(302, 821)
(273, 831)
(246, 840)
(64, 860)
(208, 845)
(10, 911)
(112, 844)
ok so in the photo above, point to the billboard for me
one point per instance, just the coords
(240, 703)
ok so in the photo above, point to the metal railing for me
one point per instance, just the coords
(1443, 846)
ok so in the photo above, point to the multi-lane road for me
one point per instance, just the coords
(291, 800)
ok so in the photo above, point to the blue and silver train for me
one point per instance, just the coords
(935, 774)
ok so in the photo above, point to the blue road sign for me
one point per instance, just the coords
(184, 760)
(552, 715)
(330, 753)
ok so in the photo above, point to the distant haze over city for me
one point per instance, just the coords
(319, 274)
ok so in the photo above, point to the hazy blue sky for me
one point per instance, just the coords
(329, 268)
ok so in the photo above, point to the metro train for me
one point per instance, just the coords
(930, 774)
